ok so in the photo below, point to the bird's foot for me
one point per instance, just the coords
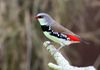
(58, 49)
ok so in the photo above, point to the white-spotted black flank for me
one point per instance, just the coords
(56, 34)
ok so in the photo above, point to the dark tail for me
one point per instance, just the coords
(85, 42)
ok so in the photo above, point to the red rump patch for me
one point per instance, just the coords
(73, 38)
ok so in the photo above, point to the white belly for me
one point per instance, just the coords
(56, 39)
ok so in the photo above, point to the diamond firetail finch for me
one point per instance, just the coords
(56, 32)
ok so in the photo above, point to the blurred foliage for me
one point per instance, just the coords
(21, 38)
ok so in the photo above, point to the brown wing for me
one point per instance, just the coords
(59, 28)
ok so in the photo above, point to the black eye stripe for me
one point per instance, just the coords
(40, 16)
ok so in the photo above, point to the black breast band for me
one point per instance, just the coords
(46, 28)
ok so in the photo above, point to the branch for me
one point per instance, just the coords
(29, 39)
(97, 62)
(62, 63)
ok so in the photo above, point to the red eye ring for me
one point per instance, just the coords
(38, 17)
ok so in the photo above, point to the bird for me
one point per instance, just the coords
(55, 31)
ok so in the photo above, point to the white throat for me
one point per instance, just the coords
(42, 22)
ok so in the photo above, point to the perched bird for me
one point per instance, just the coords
(56, 32)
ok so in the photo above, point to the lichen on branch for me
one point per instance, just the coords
(62, 63)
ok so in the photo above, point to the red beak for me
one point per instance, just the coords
(36, 17)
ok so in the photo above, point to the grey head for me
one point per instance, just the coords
(44, 19)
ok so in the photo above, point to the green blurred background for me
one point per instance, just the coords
(21, 39)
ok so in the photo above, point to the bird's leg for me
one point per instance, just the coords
(59, 48)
